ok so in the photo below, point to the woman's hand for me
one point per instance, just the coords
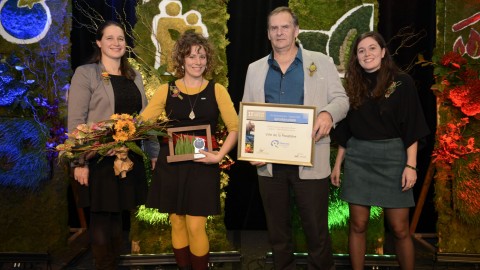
(337, 168)
(154, 162)
(335, 176)
(80, 174)
(409, 178)
(210, 157)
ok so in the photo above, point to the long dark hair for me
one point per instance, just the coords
(357, 83)
(125, 68)
(183, 47)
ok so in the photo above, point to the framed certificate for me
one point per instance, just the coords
(276, 133)
(183, 145)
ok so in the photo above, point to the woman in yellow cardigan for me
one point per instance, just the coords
(189, 191)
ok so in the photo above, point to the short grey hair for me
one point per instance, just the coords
(280, 10)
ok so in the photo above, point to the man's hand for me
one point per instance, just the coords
(258, 163)
(323, 125)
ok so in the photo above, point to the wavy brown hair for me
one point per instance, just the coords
(96, 57)
(182, 50)
(356, 82)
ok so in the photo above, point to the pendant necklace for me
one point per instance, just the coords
(192, 114)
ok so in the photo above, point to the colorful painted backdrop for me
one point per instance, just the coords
(34, 76)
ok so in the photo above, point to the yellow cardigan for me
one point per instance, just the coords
(156, 106)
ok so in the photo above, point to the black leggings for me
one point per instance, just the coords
(107, 239)
(105, 226)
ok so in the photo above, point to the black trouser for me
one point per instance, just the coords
(311, 198)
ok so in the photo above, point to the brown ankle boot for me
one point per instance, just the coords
(182, 257)
(199, 262)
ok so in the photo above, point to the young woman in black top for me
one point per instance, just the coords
(378, 141)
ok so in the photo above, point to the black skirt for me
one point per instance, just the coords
(109, 193)
(184, 188)
(373, 174)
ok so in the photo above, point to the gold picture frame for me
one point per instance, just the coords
(276, 133)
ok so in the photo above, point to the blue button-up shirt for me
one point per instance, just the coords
(285, 88)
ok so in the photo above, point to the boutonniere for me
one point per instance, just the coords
(392, 89)
(312, 68)
(105, 76)
(175, 92)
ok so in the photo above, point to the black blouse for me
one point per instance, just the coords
(398, 115)
(127, 96)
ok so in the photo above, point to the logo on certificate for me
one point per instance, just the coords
(277, 144)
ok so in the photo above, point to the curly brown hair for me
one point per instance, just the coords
(356, 82)
(182, 49)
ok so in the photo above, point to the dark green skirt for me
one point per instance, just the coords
(373, 174)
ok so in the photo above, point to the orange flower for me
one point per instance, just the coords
(124, 129)
(105, 76)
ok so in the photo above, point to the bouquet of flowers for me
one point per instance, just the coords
(116, 135)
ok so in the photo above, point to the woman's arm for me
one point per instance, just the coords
(409, 176)
(335, 176)
(230, 118)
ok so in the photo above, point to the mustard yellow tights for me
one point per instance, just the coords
(190, 231)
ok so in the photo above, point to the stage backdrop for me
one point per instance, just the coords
(34, 73)
(457, 151)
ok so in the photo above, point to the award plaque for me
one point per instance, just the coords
(276, 133)
(184, 145)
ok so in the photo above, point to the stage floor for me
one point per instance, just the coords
(253, 248)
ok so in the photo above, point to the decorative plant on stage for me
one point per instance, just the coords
(24, 111)
(457, 150)
(458, 86)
